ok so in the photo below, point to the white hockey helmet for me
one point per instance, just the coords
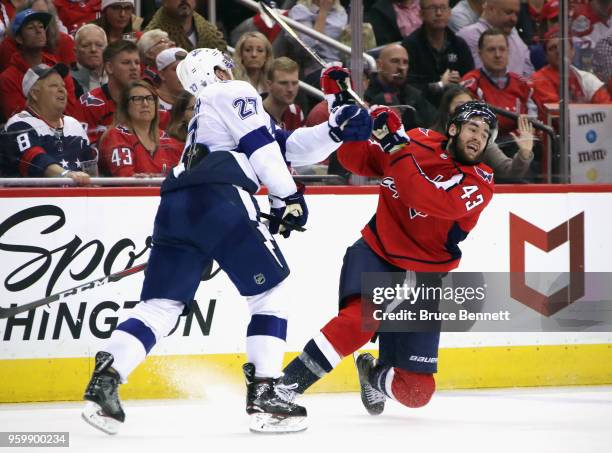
(197, 69)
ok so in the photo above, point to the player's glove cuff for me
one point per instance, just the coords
(294, 212)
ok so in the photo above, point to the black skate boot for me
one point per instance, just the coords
(271, 411)
(103, 409)
(373, 400)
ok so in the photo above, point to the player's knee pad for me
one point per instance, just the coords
(271, 302)
(345, 332)
(411, 389)
(160, 315)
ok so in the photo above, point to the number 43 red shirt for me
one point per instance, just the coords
(122, 154)
(427, 202)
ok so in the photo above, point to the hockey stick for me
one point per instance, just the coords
(285, 26)
(536, 124)
(12, 311)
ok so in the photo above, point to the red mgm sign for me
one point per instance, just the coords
(522, 232)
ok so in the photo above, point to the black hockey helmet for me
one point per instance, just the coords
(474, 108)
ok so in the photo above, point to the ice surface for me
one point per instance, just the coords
(559, 420)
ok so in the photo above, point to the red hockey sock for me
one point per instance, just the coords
(344, 331)
(411, 389)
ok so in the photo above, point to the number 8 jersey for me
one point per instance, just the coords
(427, 203)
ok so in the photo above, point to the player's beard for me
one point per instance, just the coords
(458, 151)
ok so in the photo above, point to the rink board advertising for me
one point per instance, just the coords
(534, 251)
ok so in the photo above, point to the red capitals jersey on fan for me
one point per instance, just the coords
(514, 97)
(427, 201)
(99, 110)
(74, 13)
(293, 118)
(122, 154)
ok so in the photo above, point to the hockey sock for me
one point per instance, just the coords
(133, 339)
(316, 360)
(406, 387)
(345, 332)
(265, 344)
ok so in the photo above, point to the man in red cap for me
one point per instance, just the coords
(584, 86)
(28, 29)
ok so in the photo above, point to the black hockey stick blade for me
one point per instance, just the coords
(12, 311)
(286, 224)
(536, 124)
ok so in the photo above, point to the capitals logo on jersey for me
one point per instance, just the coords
(488, 177)
(90, 100)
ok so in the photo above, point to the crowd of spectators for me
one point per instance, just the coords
(113, 71)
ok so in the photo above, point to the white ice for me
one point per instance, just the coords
(555, 420)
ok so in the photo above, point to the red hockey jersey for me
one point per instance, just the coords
(99, 111)
(514, 97)
(122, 154)
(427, 202)
(75, 13)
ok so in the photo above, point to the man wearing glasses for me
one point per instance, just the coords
(438, 57)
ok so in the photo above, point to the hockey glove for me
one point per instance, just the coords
(291, 209)
(388, 129)
(349, 123)
(334, 81)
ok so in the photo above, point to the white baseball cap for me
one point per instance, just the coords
(168, 56)
(38, 72)
(106, 3)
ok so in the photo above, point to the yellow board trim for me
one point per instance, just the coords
(188, 376)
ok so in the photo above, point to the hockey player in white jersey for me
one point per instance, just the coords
(207, 211)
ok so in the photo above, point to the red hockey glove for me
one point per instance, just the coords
(388, 129)
(334, 81)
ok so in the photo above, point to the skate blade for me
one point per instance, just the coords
(92, 414)
(275, 424)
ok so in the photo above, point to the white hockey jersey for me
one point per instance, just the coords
(246, 147)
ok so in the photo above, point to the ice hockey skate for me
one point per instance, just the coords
(103, 409)
(271, 411)
(373, 400)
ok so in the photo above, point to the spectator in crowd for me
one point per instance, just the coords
(185, 27)
(88, 71)
(136, 145)
(584, 87)
(392, 20)
(59, 44)
(42, 140)
(437, 56)
(122, 66)
(464, 13)
(28, 30)
(180, 116)
(388, 87)
(8, 9)
(150, 44)
(494, 84)
(590, 21)
(502, 165)
(252, 59)
(76, 13)
(170, 86)
(602, 61)
(547, 18)
(502, 15)
(282, 88)
(119, 21)
(325, 16)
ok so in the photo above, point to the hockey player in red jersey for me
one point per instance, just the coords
(433, 189)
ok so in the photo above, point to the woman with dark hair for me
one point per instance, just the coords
(118, 20)
(502, 165)
(135, 145)
(180, 115)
